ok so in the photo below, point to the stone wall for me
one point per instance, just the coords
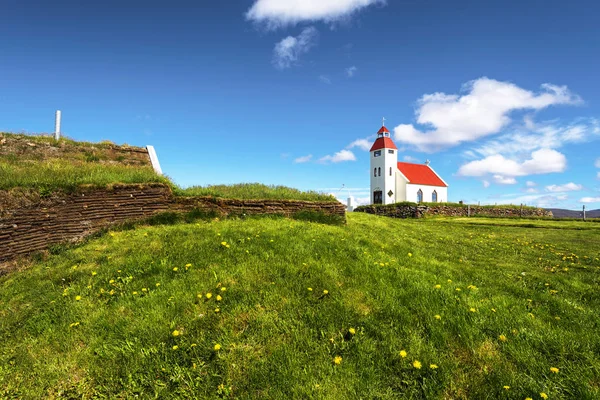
(37, 223)
(403, 210)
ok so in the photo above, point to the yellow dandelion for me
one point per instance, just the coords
(94, 273)
(554, 370)
(472, 309)
(74, 324)
(325, 291)
(417, 364)
(217, 310)
(403, 353)
(543, 395)
(208, 295)
(176, 333)
(410, 254)
(506, 387)
(438, 286)
(337, 360)
(219, 298)
(502, 338)
(135, 293)
(433, 366)
(458, 289)
(493, 310)
(175, 347)
(223, 289)
(352, 331)
(157, 284)
(437, 316)
(77, 298)
(528, 398)
(217, 347)
(449, 280)
(111, 281)
(310, 289)
(188, 265)
(175, 269)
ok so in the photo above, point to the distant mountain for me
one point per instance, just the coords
(562, 213)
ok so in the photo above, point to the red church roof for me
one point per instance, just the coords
(383, 129)
(383, 143)
(420, 174)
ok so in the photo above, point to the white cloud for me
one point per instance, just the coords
(484, 110)
(410, 159)
(590, 200)
(363, 144)
(276, 13)
(541, 162)
(351, 71)
(530, 184)
(597, 164)
(531, 190)
(502, 180)
(325, 79)
(342, 155)
(536, 200)
(486, 184)
(531, 136)
(287, 52)
(567, 187)
(598, 175)
(303, 159)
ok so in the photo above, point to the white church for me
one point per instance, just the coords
(393, 181)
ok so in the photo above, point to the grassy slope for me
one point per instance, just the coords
(278, 338)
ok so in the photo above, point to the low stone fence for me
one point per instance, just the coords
(403, 210)
(34, 224)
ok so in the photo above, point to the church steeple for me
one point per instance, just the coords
(384, 160)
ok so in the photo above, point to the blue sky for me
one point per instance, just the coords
(502, 96)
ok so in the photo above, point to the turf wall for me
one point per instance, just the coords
(36, 223)
(403, 210)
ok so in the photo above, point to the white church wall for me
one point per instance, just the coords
(384, 181)
(412, 189)
(400, 187)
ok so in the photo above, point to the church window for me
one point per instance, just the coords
(434, 196)
(374, 171)
(420, 196)
(379, 171)
(391, 151)
(377, 153)
(390, 171)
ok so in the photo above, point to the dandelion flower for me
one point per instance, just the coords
(410, 254)
(437, 316)
(403, 353)
(111, 281)
(175, 269)
(176, 333)
(417, 364)
(219, 298)
(554, 370)
(74, 324)
(135, 293)
(438, 286)
(94, 273)
(175, 347)
(449, 280)
(458, 289)
(208, 295)
(325, 291)
(217, 347)
(337, 360)
(502, 338)
(472, 309)
(433, 366)
(188, 265)
(223, 289)
(528, 398)
(310, 289)
(217, 310)
(506, 387)
(493, 310)
(543, 395)
(77, 298)
(158, 284)
(352, 331)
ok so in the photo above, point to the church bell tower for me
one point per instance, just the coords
(384, 163)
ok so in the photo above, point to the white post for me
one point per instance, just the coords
(57, 125)
(584, 212)
(154, 159)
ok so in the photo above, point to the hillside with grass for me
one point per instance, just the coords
(276, 308)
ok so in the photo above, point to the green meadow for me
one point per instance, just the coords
(277, 308)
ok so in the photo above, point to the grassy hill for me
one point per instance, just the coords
(275, 308)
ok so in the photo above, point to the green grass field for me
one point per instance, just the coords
(276, 308)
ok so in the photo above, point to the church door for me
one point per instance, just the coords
(378, 197)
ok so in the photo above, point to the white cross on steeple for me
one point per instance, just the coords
(383, 123)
